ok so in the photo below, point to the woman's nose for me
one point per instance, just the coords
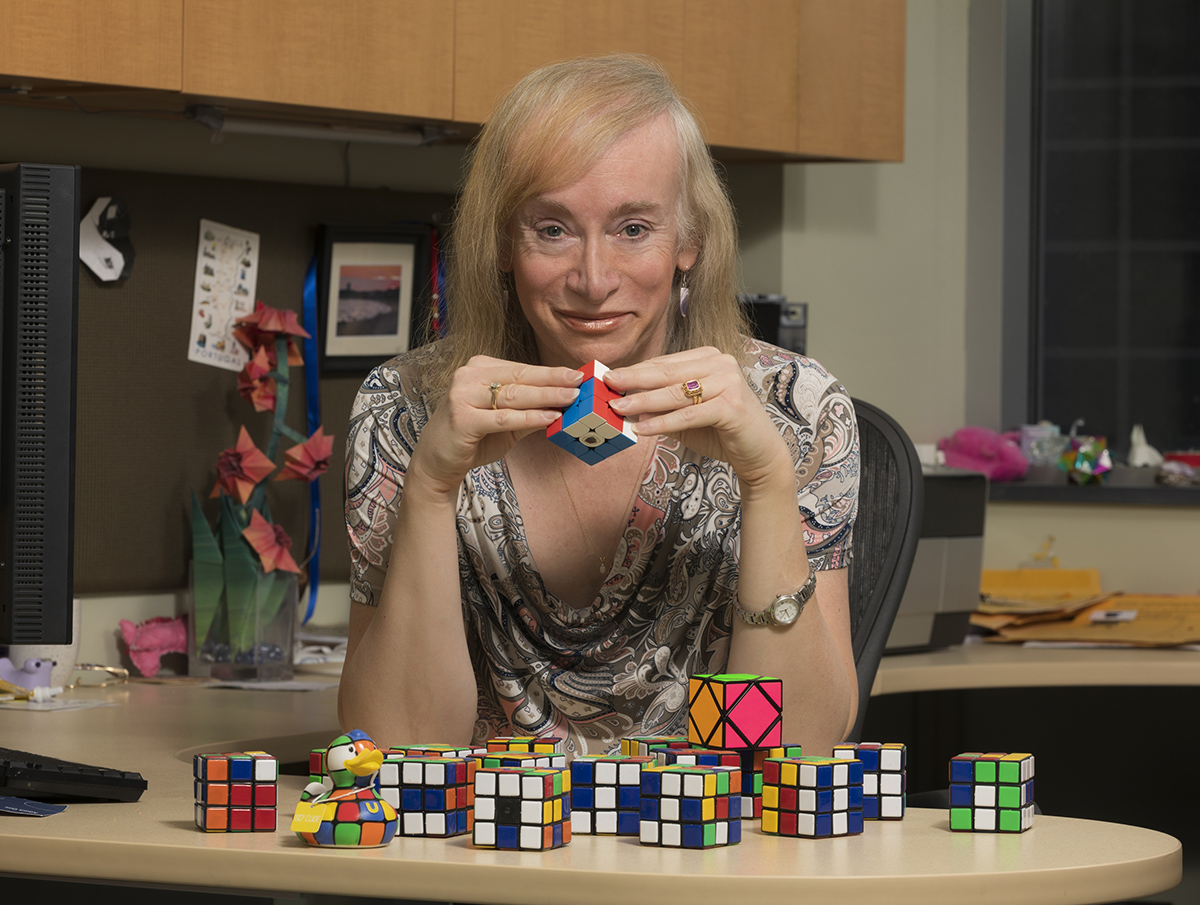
(596, 277)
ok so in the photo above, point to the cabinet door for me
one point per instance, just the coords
(131, 43)
(741, 71)
(372, 56)
(851, 86)
(499, 42)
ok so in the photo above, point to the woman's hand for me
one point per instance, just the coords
(467, 430)
(725, 420)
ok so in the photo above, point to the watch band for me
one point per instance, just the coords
(768, 616)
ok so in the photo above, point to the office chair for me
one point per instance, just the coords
(891, 500)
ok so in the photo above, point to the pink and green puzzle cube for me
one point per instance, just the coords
(991, 793)
(735, 710)
(589, 429)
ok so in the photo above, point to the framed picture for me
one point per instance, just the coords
(373, 291)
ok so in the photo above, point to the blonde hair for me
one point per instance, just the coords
(548, 131)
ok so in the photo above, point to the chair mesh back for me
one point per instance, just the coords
(878, 500)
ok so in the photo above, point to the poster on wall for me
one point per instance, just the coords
(223, 291)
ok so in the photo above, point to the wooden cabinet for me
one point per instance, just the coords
(128, 43)
(368, 56)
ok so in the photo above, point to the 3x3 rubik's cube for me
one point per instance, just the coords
(885, 770)
(589, 429)
(433, 796)
(518, 808)
(236, 792)
(991, 793)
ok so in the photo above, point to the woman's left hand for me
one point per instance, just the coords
(701, 397)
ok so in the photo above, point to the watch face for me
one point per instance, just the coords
(786, 610)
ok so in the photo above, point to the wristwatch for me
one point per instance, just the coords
(785, 610)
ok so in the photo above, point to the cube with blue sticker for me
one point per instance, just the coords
(812, 797)
(236, 791)
(525, 809)
(991, 793)
(433, 796)
(885, 782)
(691, 806)
(606, 794)
(589, 429)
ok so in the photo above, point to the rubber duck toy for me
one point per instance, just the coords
(349, 813)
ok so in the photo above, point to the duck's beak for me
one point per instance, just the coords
(366, 763)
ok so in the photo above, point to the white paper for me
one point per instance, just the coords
(102, 259)
(223, 290)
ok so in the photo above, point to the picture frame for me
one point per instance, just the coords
(373, 293)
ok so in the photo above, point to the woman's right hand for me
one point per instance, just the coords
(465, 432)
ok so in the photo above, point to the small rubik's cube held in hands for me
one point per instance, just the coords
(735, 710)
(236, 792)
(884, 776)
(991, 793)
(523, 809)
(812, 797)
(691, 806)
(589, 429)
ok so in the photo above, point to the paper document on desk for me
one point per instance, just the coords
(1160, 620)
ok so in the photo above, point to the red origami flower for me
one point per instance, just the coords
(309, 460)
(254, 384)
(241, 468)
(258, 330)
(271, 543)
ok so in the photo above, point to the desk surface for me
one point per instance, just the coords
(155, 729)
(1013, 666)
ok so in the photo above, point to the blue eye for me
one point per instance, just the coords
(552, 232)
(634, 230)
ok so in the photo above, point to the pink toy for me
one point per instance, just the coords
(34, 673)
(981, 449)
(151, 639)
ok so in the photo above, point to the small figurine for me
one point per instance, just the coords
(33, 673)
(351, 813)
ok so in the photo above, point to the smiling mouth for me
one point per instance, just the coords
(582, 322)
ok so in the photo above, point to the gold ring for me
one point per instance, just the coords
(693, 391)
(495, 393)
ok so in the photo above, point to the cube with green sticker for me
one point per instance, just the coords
(991, 793)
(691, 806)
(522, 808)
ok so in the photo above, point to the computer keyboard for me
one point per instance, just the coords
(27, 775)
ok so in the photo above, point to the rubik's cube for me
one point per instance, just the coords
(735, 710)
(691, 806)
(589, 429)
(648, 744)
(752, 781)
(884, 777)
(236, 792)
(606, 793)
(812, 796)
(437, 750)
(991, 793)
(526, 760)
(538, 744)
(522, 809)
(432, 795)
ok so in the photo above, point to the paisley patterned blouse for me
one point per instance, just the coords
(620, 667)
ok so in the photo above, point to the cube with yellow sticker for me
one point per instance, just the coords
(691, 806)
(520, 808)
(812, 797)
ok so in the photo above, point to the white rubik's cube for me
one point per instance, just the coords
(522, 809)
(649, 744)
(606, 794)
(884, 776)
(438, 750)
(691, 806)
(991, 793)
(812, 796)
(432, 795)
(527, 760)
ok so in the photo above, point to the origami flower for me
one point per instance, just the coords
(255, 385)
(258, 331)
(240, 468)
(271, 543)
(307, 461)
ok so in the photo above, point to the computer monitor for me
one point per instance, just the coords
(39, 289)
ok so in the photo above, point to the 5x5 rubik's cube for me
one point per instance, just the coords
(236, 792)
(589, 429)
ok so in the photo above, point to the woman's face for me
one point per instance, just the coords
(593, 261)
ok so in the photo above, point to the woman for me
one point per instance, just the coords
(503, 587)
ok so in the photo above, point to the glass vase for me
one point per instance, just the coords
(241, 624)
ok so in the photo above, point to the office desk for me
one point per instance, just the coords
(156, 729)
(1013, 666)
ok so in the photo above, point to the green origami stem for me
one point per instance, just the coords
(208, 578)
(241, 578)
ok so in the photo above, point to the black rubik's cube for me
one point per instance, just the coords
(991, 793)
(884, 776)
(606, 793)
(236, 792)
(812, 796)
(522, 809)
(691, 806)
(433, 796)
(589, 429)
